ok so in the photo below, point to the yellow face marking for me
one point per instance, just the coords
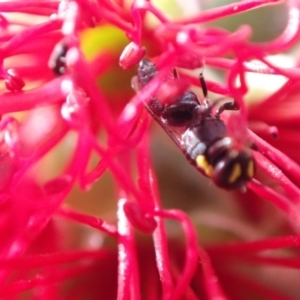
(235, 173)
(250, 169)
(204, 165)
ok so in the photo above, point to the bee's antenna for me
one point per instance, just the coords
(203, 84)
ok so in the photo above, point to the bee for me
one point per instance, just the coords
(57, 60)
(201, 134)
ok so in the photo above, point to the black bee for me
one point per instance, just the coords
(57, 60)
(200, 134)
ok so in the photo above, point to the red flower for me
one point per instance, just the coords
(74, 134)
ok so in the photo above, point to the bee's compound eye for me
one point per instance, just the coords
(182, 111)
(179, 114)
(234, 170)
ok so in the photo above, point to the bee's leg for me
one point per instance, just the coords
(207, 104)
(227, 106)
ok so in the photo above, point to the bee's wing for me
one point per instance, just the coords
(175, 133)
(146, 72)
